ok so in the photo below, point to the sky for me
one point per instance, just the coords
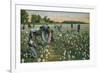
(62, 16)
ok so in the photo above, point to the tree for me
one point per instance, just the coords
(45, 18)
(38, 19)
(24, 18)
(33, 17)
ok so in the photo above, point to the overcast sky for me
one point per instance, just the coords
(62, 16)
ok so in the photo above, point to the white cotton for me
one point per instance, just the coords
(39, 59)
(46, 50)
(31, 42)
(41, 56)
(43, 60)
(60, 35)
(64, 53)
(22, 60)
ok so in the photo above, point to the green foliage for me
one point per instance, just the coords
(24, 17)
(46, 19)
(35, 19)
(67, 45)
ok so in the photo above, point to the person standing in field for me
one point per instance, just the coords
(78, 28)
(71, 26)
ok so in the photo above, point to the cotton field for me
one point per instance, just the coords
(68, 45)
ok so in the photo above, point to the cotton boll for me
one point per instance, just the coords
(64, 53)
(39, 59)
(60, 35)
(26, 32)
(31, 42)
(46, 50)
(73, 57)
(26, 54)
(48, 53)
(47, 46)
(41, 56)
(43, 60)
(23, 60)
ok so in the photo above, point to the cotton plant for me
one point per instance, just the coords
(67, 45)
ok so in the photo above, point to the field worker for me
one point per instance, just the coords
(78, 28)
(71, 26)
(32, 47)
(45, 28)
(31, 43)
(34, 31)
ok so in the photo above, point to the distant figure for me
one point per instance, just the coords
(78, 28)
(52, 37)
(58, 27)
(71, 26)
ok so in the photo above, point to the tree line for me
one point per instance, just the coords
(37, 19)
